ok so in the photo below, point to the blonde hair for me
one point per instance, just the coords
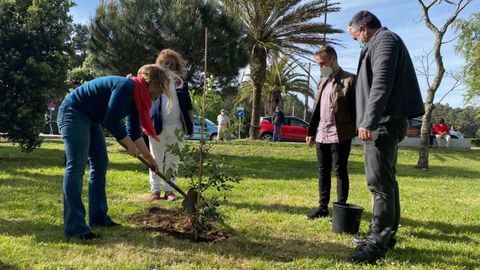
(158, 77)
(171, 59)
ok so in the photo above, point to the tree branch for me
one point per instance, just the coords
(458, 81)
(426, 17)
(452, 18)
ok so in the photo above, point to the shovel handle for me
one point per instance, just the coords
(144, 161)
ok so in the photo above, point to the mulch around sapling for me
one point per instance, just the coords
(176, 223)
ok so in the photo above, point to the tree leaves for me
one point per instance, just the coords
(34, 57)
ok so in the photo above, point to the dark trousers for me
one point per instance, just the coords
(380, 171)
(333, 154)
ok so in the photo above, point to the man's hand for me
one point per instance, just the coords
(309, 141)
(365, 134)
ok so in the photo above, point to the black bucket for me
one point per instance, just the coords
(346, 217)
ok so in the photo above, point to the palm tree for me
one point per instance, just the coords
(285, 26)
(281, 78)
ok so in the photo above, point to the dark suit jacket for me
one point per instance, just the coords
(387, 87)
(343, 98)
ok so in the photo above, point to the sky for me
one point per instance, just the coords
(403, 17)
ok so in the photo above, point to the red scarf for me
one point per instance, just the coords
(143, 102)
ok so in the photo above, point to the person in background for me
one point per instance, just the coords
(104, 101)
(278, 119)
(332, 127)
(441, 131)
(387, 94)
(169, 115)
(222, 121)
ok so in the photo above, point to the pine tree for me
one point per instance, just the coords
(128, 34)
(34, 57)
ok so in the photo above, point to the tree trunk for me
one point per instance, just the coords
(439, 33)
(258, 66)
(275, 100)
(427, 117)
(425, 133)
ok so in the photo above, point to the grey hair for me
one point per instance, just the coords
(365, 18)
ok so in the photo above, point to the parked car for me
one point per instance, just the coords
(210, 129)
(415, 125)
(294, 129)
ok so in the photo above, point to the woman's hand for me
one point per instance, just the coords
(142, 147)
(130, 146)
(153, 164)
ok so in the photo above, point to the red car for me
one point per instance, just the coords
(294, 129)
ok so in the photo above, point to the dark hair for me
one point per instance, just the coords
(365, 18)
(327, 50)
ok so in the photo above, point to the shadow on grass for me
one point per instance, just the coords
(41, 231)
(256, 167)
(252, 246)
(5, 266)
(428, 256)
(435, 231)
(273, 208)
(238, 246)
(454, 154)
(442, 231)
(291, 169)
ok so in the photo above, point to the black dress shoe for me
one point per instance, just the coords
(88, 236)
(361, 241)
(366, 253)
(318, 213)
(111, 224)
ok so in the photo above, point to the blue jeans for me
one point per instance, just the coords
(277, 132)
(84, 140)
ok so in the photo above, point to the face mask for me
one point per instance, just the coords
(362, 44)
(326, 71)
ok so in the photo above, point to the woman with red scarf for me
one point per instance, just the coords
(104, 101)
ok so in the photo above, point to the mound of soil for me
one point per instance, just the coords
(176, 223)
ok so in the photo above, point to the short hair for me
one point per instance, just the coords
(365, 18)
(328, 51)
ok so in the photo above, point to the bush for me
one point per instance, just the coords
(476, 142)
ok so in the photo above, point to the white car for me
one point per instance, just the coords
(455, 134)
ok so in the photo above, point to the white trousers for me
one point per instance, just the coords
(221, 130)
(164, 159)
(439, 139)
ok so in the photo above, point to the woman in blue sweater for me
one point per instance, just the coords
(104, 101)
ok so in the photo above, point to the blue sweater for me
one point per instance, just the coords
(107, 100)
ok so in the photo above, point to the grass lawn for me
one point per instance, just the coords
(440, 226)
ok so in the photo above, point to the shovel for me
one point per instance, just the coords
(191, 195)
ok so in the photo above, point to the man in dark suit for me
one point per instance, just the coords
(387, 94)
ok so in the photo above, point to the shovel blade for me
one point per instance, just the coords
(190, 201)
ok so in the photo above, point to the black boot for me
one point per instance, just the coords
(361, 241)
(366, 253)
(318, 213)
(88, 236)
